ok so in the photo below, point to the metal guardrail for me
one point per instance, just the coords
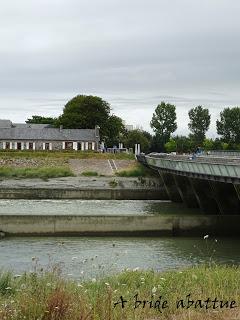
(229, 170)
(224, 153)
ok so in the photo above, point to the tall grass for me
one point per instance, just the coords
(43, 173)
(47, 296)
(138, 170)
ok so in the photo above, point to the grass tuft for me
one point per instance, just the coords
(137, 171)
(42, 173)
(90, 173)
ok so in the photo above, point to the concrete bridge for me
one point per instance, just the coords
(211, 182)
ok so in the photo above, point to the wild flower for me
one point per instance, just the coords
(206, 236)
(94, 280)
(154, 289)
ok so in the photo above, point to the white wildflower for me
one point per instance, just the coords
(154, 289)
(206, 236)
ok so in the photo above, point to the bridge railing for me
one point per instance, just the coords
(231, 170)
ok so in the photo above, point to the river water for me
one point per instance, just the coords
(86, 257)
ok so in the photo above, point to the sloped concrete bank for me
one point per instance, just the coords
(152, 225)
(84, 188)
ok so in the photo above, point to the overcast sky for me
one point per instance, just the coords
(133, 53)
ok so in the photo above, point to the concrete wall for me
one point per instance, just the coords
(154, 225)
(89, 194)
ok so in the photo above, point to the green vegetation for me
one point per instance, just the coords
(64, 154)
(42, 173)
(199, 123)
(137, 171)
(47, 296)
(84, 111)
(89, 173)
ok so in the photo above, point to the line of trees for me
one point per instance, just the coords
(85, 111)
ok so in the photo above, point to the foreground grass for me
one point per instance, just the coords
(42, 173)
(138, 170)
(66, 154)
(47, 296)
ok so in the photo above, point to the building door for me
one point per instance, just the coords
(19, 145)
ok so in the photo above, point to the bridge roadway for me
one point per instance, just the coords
(211, 182)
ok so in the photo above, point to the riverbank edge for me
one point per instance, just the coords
(48, 295)
(129, 225)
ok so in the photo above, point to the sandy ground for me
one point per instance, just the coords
(102, 167)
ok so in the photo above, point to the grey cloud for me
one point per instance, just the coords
(135, 53)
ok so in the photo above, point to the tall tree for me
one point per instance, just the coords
(85, 112)
(164, 121)
(229, 125)
(199, 123)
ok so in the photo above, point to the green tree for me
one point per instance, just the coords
(184, 144)
(228, 127)
(208, 144)
(114, 130)
(136, 136)
(171, 145)
(85, 112)
(42, 120)
(164, 122)
(199, 123)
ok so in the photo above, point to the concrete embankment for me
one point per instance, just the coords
(84, 188)
(152, 225)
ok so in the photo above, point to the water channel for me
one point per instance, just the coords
(86, 257)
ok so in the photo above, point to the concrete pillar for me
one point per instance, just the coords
(204, 196)
(63, 145)
(93, 145)
(139, 149)
(50, 145)
(86, 145)
(82, 146)
(136, 149)
(15, 145)
(237, 188)
(11, 145)
(22, 145)
(186, 191)
(34, 145)
(226, 197)
(170, 186)
(44, 146)
(4, 145)
(27, 145)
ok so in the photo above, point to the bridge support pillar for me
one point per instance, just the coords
(186, 191)
(226, 197)
(237, 188)
(204, 196)
(170, 186)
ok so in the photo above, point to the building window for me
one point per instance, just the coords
(79, 146)
(47, 146)
(7, 146)
(19, 145)
(30, 146)
(68, 145)
(89, 145)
